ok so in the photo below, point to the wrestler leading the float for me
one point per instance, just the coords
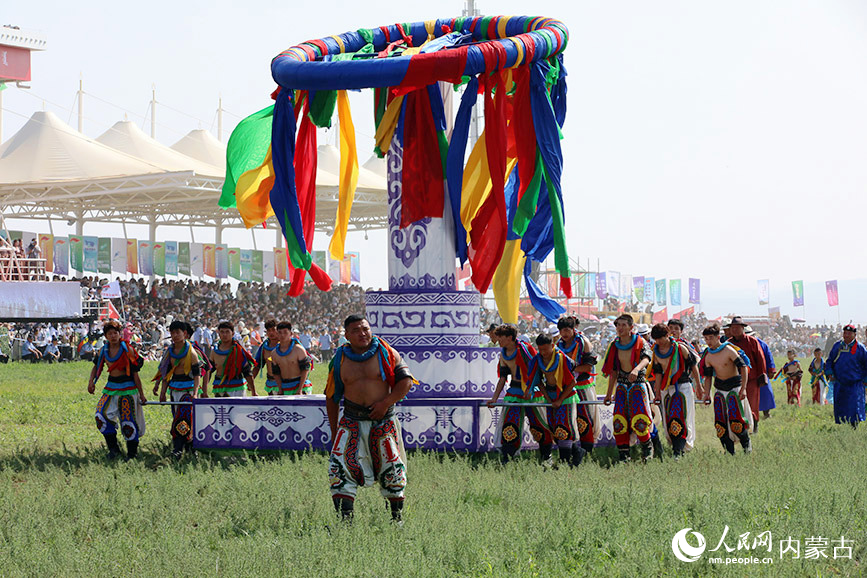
(724, 366)
(370, 377)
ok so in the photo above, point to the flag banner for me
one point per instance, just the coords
(321, 259)
(660, 316)
(145, 258)
(601, 286)
(234, 263)
(197, 259)
(764, 288)
(334, 269)
(268, 267)
(172, 258)
(61, 256)
(694, 291)
(209, 259)
(76, 252)
(184, 258)
(112, 290)
(553, 284)
(132, 256)
(159, 259)
(258, 261)
(246, 265)
(345, 270)
(626, 287)
(798, 293)
(91, 251)
(118, 255)
(222, 260)
(590, 285)
(684, 312)
(46, 243)
(354, 267)
(280, 265)
(614, 283)
(650, 289)
(674, 291)
(660, 292)
(103, 255)
(831, 290)
(638, 288)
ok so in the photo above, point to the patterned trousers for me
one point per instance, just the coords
(124, 410)
(631, 413)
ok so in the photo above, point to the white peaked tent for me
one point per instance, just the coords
(48, 170)
(127, 138)
(201, 145)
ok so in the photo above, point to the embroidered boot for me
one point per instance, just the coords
(646, 450)
(113, 447)
(728, 444)
(131, 450)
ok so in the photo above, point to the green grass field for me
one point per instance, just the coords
(65, 511)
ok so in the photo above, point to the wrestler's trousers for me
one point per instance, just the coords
(731, 417)
(366, 452)
(122, 412)
(561, 422)
(793, 390)
(678, 414)
(631, 414)
(182, 417)
(512, 430)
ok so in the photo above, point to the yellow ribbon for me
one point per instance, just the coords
(507, 281)
(388, 124)
(252, 193)
(348, 175)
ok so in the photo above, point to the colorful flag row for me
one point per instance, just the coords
(798, 293)
(107, 255)
(640, 288)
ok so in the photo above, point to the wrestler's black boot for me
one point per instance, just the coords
(178, 447)
(545, 455)
(624, 454)
(657, 446)
(647, 450)
(578, 454)
(113, 447)
(131, 450)
(745, 442)
(677, 445)
(565, 456)
(396, 511)
(588, 447)
(728, 444)
(345, 507)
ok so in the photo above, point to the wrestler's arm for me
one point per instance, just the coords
(612, 380)
(745, 374)
(332, 409)
(91, 383)
(303, 364)
(584, 367)
(137, 380)
(397, 393)
(564, 394)
(278, 375)
(657, 383)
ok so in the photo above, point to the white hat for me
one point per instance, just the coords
(642, 329)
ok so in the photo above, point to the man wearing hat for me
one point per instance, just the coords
(758, 375)
(846, 369)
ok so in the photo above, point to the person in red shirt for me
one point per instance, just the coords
(758, 370)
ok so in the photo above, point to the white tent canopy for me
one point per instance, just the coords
(49, 170)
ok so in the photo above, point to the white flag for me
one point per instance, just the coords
(111, 291)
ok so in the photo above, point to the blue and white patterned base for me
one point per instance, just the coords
(300, 423)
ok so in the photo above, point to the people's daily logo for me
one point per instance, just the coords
(683, 550)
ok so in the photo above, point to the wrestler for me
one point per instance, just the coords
(673, 362)
(122, 395)
(514, 364)
(818, 383)
(370, 377)
(290, 363)
(724, 366)
(793, 373)
(180, 372)
(555, 369)
(580, 351)
(625, 365)
(263, 355)
(233, 363)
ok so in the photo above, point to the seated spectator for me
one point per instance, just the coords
(52, 352)
(29, 351)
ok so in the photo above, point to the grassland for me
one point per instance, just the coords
(65, 511)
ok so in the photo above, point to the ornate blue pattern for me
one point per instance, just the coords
(406, 243)
(276, 416)
(401, 299)
(427, 281)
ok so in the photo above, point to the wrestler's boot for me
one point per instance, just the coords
(113, 447)
(587, 447)
(565, 456)
(178, 444)
(728, 444)
(745, 442)
(623, 452)
(545, 455)
(578, 454)
(647, 450)
(396, 510)
(131, 449)
(345, 507)
(657, 443)
(677, 446)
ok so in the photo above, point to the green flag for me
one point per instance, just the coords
(246, 150)
(184, 258)
(160, 259)
(234, 263)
